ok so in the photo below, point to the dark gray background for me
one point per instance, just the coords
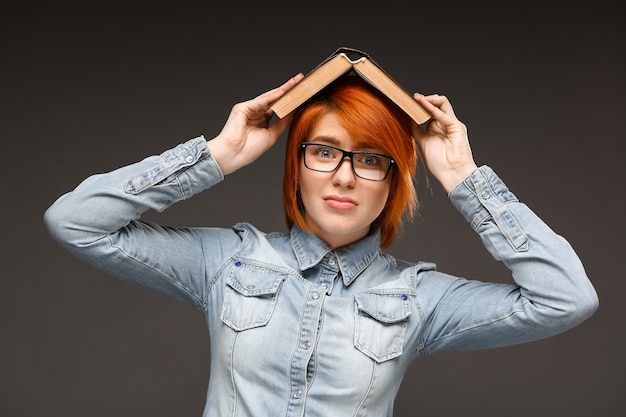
(88, 88)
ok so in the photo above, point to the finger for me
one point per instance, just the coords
(272, 95)
(262, 102)
(435, 103)
(418, 134)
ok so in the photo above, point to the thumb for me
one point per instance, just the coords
(279, 126)
(419, 134)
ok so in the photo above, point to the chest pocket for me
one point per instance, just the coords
(381, 324)
(250, 296)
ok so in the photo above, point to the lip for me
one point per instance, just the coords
(340, 202)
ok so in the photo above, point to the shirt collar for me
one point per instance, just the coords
(352, 259)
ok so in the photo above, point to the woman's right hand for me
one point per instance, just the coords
(247, 134)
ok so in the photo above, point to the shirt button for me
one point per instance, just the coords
(297, 393)
(324, 286)
(315, 295)
(189, 159)
(306, 345)
(485, 194)
(331, 261)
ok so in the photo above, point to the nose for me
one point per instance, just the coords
(344, 174)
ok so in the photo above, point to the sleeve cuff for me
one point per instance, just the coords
(190, 162)
(481, 195)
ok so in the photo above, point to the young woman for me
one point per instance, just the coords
(320, 321)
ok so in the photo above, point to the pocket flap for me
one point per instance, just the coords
(254, 282)
(386, 308)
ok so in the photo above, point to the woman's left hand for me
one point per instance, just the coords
(444, 142)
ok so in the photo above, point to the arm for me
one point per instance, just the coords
(551, 292)
(99, 222)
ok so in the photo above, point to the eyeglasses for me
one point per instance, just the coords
(367, 165)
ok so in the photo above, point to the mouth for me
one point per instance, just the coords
(339, 202)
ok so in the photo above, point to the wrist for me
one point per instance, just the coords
(219, 155)
(454, 177)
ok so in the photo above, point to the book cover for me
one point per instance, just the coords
(338, 63)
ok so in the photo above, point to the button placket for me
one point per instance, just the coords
(328, 273)
(300, 363)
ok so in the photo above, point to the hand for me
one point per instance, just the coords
(247, 135)
(444, 142)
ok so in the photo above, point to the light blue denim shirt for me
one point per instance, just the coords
(298, 329)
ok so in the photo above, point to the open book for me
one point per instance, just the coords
(338, 63)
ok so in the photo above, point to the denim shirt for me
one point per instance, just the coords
(299, 329)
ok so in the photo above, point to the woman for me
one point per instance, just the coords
(320, 321)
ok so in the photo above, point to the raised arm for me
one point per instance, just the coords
(99, 221)
(551, 292)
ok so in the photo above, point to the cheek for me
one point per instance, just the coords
(381, 194)
(306, 184)
(376, 198)
(382, 199)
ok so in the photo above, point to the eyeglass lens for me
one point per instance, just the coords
(326, 158)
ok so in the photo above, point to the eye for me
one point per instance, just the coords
(325, 153)
(370, 160)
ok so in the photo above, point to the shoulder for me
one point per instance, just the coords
(249, 233)
(402, 265)
(260, 245)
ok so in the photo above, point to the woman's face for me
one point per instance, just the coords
(339, 207)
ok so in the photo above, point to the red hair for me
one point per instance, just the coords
(373, 121)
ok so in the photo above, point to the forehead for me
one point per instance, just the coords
(328, 129)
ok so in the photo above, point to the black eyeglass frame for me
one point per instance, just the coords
(348, 154)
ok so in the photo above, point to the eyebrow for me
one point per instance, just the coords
(326, 139)
(358, 146)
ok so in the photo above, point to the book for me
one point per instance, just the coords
(340, 62)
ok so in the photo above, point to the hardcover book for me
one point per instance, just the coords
(340, 62)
